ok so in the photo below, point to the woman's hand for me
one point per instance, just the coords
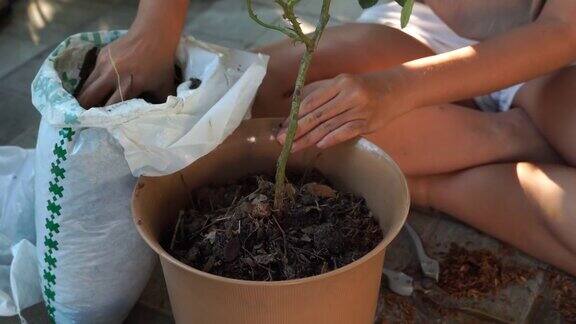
(339, 109)
(144, 65)
(143, 58)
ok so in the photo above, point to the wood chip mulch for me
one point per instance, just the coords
(398, 309)
(477, 273)
(564, 295)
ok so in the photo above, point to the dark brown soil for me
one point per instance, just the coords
(195, 83)
(477, 273)
(233, 231)
(90, 63)
(87, 68)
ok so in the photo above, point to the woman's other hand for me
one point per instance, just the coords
(342, 108)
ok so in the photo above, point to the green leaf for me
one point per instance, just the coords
(406, 12)
(365, 4)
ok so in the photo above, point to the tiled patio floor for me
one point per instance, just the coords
(38, 25)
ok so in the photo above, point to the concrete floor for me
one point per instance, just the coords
(36, 26)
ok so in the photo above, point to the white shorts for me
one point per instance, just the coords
(429, 29)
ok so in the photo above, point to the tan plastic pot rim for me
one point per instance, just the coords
(388, 237)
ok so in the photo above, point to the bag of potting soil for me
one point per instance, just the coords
(93, 264)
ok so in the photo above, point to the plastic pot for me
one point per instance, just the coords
(346, 295)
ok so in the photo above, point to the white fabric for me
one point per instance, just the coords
(482, 19)
(429, 29)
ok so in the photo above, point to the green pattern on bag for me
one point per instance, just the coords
(51, 222)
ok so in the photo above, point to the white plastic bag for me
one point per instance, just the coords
(19, 285)
(92, 261)
(17, 194)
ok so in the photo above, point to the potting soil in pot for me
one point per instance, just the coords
(233, 231)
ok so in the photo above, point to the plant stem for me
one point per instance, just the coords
(292, 127)
(310, 42)
(283, 30)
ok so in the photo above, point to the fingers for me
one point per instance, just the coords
(321, 105)
(98, 92)
(94, 83)
(323, 114)
(324, 92)
(346, 132)
(334, 111)
(308, 89)
(114, 98)
(121, 93)
(100, 84)
(95, 93)
(318, 133)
